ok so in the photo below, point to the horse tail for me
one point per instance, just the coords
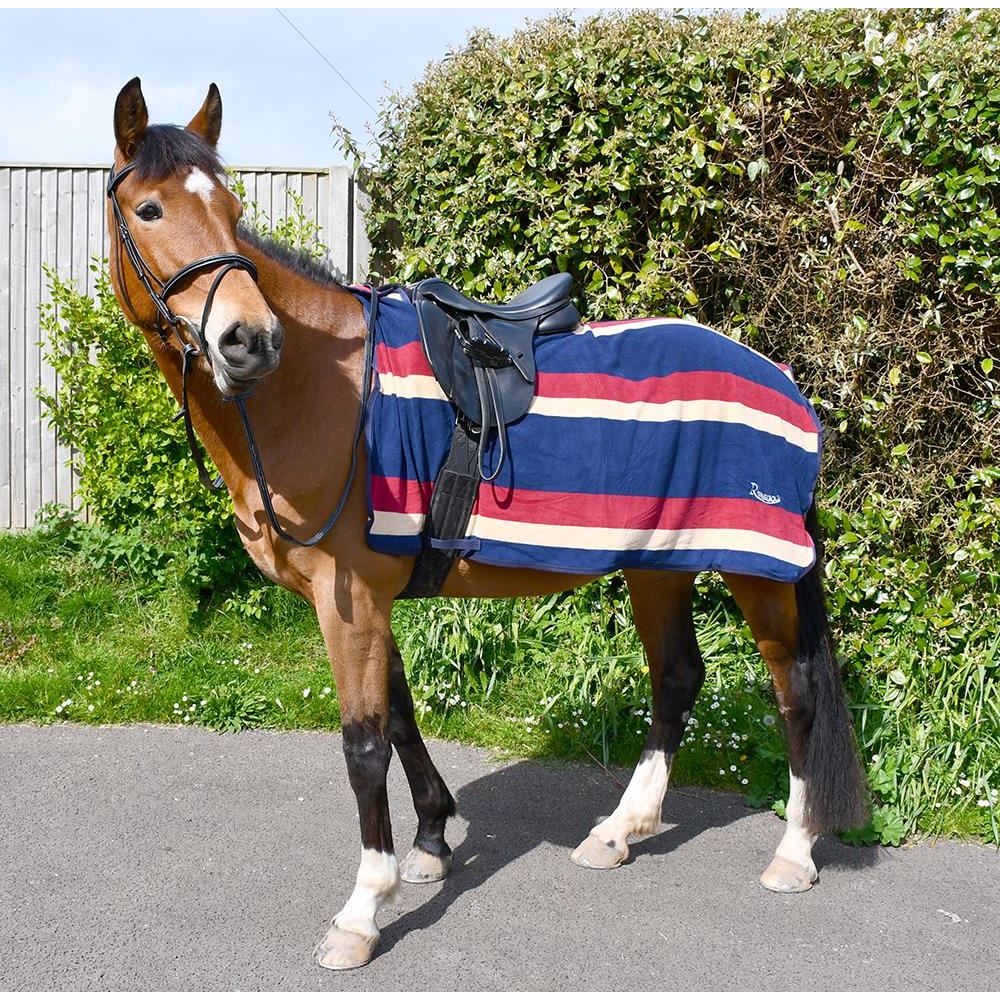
(836, 790)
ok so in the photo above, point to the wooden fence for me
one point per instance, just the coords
(54, 214)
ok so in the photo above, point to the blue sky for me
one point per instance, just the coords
(62, 69)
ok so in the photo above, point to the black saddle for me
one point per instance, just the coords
(483, 356)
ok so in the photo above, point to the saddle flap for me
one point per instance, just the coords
(456, 347)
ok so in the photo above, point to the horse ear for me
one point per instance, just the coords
(131, 117)
(208, 122)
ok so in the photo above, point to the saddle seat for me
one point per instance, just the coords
(482, 354)
(547, 301)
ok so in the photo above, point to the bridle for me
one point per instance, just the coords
(167, 321)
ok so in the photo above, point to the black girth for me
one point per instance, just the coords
(167, 321)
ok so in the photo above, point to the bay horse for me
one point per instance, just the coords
(234, 314)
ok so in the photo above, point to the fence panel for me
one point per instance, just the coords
(54, 215)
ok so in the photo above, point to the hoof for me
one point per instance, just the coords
(594, 853)
(342, 949)
(420, 866)
(783, 875)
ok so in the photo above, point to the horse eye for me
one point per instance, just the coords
(149, 211)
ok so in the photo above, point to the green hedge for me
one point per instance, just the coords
(821, 185)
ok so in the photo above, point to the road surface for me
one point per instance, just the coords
(155, 857)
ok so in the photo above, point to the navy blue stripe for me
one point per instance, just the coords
(593, 455)
(599, 561)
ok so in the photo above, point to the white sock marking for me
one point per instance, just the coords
(640, 806)
(797, 843)
(377, 883)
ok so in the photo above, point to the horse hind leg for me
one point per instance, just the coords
(661, 605)
(826, 783)
(429, 860)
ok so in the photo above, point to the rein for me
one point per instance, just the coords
(190, 351)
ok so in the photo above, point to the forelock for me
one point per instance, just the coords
(166, 149)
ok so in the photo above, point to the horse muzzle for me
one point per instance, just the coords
(245, 354)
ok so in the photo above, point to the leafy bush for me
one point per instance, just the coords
(821, 185)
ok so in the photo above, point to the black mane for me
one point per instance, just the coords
(295, 259)
(165, 149)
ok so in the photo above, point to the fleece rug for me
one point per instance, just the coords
(652, 443)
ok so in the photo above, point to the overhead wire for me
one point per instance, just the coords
(295, 28)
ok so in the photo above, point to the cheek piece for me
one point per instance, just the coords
(195, 345)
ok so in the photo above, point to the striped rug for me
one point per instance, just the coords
(654, 443)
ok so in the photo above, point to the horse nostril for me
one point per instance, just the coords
(237, 343)
(277, 337)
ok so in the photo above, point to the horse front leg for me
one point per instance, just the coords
(661, 607)
(359, 642)
(429, 860)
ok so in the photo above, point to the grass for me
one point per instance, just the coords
(561, 676)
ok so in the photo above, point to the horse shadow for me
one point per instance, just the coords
(516, 808)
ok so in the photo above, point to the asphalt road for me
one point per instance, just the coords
(174, 858)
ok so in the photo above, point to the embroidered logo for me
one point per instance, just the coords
(756, 493)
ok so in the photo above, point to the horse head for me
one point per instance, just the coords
(172, 216)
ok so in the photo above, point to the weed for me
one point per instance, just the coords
(228, 708)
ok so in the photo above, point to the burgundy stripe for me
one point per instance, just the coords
(602, 511)
(399, 496)
(722, 386)
(402, 361)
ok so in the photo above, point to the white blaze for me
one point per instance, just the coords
(201, 184)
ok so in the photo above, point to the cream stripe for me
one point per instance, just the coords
(629, 539)
(684, 410)
(636, 324)
(410, 386)
(386, 522)
(614, 539)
